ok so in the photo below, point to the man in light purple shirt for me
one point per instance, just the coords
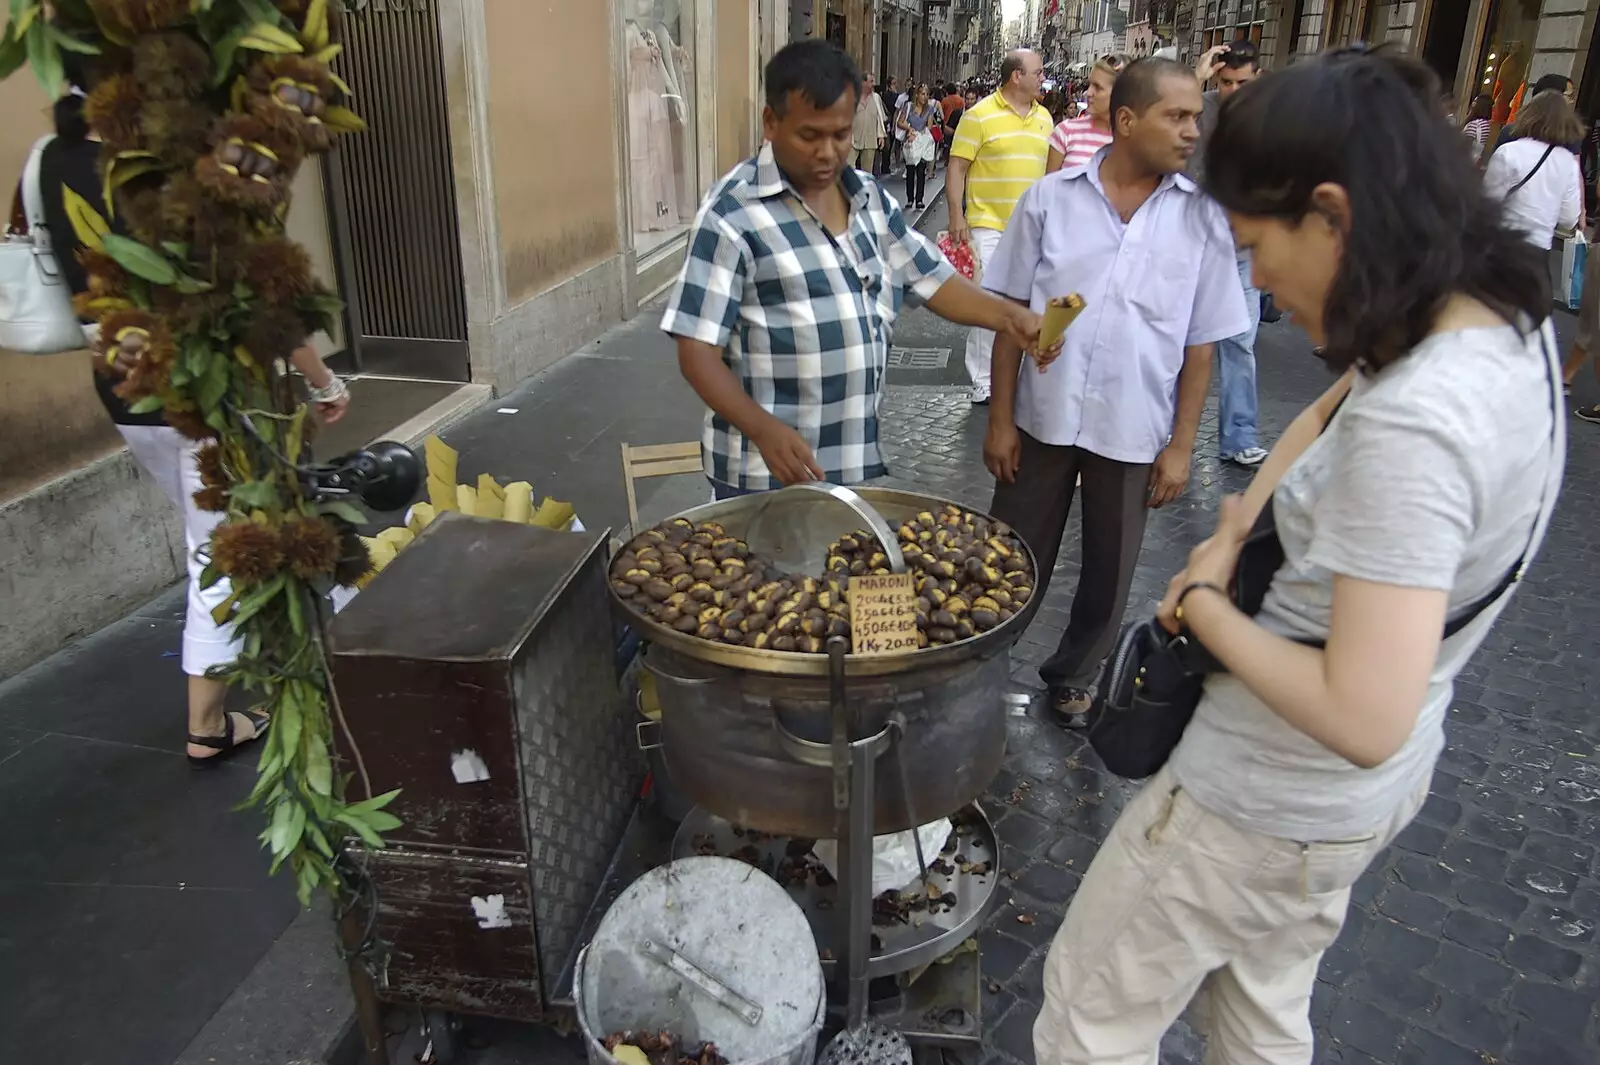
(1117, 410)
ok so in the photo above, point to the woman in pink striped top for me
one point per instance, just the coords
(1076, 139)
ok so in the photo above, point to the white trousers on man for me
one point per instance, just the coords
(980, 342)
(1180, 904)
(169, 458)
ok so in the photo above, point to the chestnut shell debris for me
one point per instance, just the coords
(970, 574)
(666, 1048)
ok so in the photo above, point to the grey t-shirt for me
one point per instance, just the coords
(1430, 476)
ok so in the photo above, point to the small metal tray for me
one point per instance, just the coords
(897, 948)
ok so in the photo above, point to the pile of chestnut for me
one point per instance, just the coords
(970, 575)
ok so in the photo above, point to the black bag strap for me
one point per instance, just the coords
(1548, 148)
(1266, 524)
(1514, 574)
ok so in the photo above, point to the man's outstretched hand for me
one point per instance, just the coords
(788, 456)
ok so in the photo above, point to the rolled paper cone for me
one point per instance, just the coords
(519, 502)
(1058, 315)
(491, 497)
(442, 494)
(381, 552)
(467, 500)
(398, 537)
(441, 460)
(553, 514)
(422, 515)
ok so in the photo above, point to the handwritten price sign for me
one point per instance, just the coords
(883, 614)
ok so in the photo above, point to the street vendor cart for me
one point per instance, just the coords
(479, 675)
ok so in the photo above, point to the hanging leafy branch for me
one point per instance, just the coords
(205, 110)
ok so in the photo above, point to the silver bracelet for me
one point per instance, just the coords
(333, 392)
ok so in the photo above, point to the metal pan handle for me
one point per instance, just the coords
(865, 511)
(653, 664)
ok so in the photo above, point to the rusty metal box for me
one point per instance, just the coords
(477, 674)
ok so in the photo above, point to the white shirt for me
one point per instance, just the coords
(1552, 199)
(1164, 281)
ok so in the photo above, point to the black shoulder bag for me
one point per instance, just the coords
(1150, 686)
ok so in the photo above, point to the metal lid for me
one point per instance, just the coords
(468, 589)
(711, 949)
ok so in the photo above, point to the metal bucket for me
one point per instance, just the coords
(711, 950)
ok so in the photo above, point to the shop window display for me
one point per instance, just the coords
(1504, 58)
(658, 36)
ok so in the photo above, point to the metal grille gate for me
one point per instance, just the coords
(392, 194)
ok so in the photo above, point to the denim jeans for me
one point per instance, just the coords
(1236, 377)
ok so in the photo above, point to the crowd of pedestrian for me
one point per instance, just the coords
(1544, 166)
(1394, 514)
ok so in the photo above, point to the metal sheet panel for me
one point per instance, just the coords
(581, 763)
(459, 933)
(498, 638)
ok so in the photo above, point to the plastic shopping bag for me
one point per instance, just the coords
(1574, 261)
(894, 857)
(960, 256)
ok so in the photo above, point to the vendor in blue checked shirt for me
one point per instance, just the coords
(798, 266)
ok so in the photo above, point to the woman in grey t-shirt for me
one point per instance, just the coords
(1229, 875)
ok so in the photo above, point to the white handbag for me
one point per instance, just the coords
(36, 315)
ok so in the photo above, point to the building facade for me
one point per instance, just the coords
(1492, 46)
(1091, 29)
(527, 182)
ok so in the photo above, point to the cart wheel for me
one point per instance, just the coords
(442, 1036)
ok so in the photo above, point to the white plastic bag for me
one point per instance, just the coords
(894, 857)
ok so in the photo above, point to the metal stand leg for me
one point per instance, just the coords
(857, 848)
(369, 1012)
(853, 802)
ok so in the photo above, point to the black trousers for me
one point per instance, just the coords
(1037, 505)
(916, 182)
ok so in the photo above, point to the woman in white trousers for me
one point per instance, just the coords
(70, 161)
(169, 458)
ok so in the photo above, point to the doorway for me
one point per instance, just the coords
(392, 200)
(1447, 31)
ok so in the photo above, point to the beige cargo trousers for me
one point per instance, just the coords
(1182, 906)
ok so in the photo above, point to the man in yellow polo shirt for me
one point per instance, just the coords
(999, 151)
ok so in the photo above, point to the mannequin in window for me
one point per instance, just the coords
(651, 174)
(666, 21)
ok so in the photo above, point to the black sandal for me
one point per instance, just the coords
(224, 744)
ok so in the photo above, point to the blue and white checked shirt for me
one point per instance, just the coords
(803, 318)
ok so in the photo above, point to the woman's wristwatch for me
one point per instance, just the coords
(332, 392)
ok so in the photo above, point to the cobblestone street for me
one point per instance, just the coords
(1473, 939)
